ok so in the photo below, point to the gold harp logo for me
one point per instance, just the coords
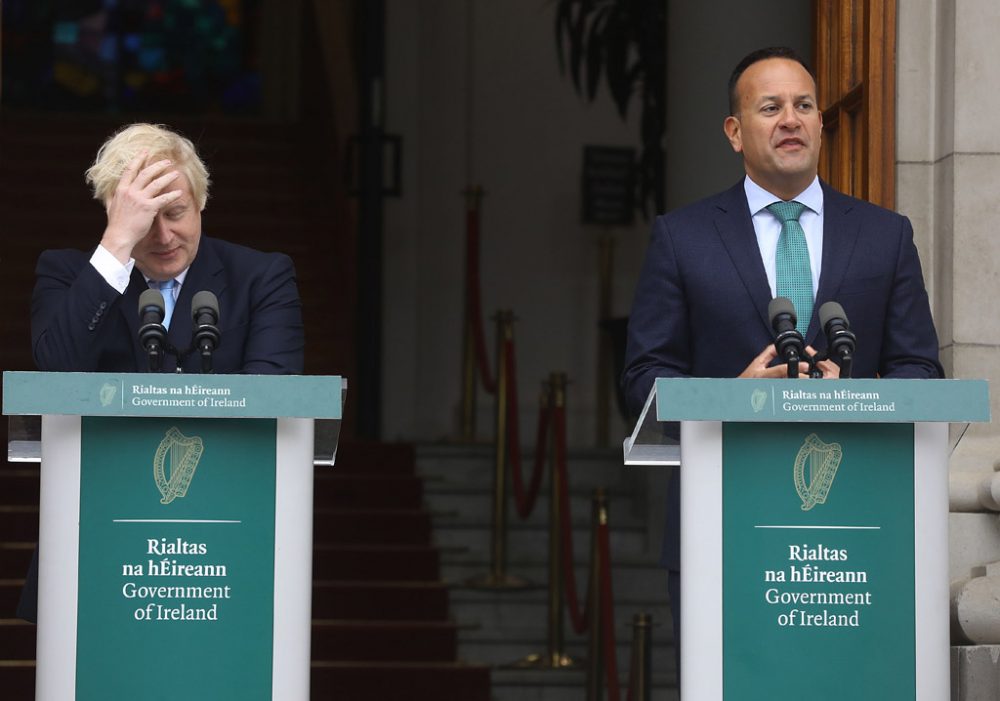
(816, 462)
(179, 455)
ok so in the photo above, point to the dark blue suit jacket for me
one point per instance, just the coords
(700, 308)
(80, 323)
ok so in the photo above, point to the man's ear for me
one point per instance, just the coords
(731, 127)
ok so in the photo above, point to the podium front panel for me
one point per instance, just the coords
(818, 560)
(176, 557)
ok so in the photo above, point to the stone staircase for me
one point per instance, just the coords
(500, 627)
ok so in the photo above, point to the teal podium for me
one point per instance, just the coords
(175, 533)
(814, 526)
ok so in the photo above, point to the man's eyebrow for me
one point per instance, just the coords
(777, 98)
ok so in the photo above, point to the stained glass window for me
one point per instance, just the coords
(131, 55)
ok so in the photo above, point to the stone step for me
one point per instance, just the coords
(472, 466)
(565, 685)
(477, 505)
(530, 541)
(519, 610)
(502, 653)
(631, 581)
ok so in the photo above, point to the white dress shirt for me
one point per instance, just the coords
(117, 275)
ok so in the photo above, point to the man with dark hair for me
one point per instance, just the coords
(700, 307)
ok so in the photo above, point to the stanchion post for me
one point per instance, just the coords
(473, 198)
(641, 670)
(468, 380)
(497, 577)
(556, 657)
(595, 645)
(553, 657)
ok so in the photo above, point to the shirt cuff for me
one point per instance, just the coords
(109, 268)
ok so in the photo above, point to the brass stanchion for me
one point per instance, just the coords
(605, 277)
(473, 198)
(497, 577)
(554, 657)
(595, 642)
(641, 671)
(468, 380)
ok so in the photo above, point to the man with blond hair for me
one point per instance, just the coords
(84, 309)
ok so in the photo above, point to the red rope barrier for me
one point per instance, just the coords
(473, 297)
(525, 501)
(608, 614)
(606, 603)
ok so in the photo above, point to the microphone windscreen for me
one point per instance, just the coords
(205, 300)
(781, 305)
(151, 298)
(830, 311)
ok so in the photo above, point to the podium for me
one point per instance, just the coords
(814, 533)
(175, 534)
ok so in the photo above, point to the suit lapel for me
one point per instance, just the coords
(129, 305)
(205, 273)
(841, 226)
(736, 230)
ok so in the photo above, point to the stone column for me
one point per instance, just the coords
(948, 182)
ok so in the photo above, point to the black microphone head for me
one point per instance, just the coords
(781, 305)
(204, 301)
(830, 311)
(151, 298)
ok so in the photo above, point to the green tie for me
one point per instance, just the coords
(792, 270)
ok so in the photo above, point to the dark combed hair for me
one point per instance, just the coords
(761, 55)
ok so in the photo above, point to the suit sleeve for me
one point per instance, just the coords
(909, 343)
(658, 342)
(71, 312)
(275, 342)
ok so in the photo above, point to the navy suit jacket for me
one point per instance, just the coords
(80, 323)
(700, 307)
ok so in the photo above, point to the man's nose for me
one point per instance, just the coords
(158, 231)
(790, 117)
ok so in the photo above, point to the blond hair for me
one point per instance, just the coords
(118, 151)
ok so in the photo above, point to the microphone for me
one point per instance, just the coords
(841, 342)
(206, 337)
(788, 341)
(152, 334)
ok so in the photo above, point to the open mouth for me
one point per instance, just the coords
(791, 144)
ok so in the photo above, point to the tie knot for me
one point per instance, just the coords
(786, 211)
(163, 285)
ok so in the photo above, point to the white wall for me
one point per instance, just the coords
(474, 88)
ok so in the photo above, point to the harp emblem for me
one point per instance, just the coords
(175, 462)
(815, 467)
(757, 400)
(107, 394)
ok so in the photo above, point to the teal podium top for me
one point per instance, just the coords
(144, 394)
(27, 395)
(778, 401)
(852, 401)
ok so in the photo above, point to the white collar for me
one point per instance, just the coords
(758, 198)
